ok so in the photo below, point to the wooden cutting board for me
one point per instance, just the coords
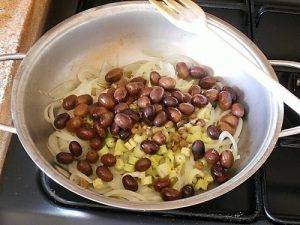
(21, 23)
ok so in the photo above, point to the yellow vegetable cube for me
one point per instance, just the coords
(119, 164)
(146, 180)
(201, 184)
(98, 183)
(128, 167)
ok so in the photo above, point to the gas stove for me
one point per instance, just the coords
(271, 196)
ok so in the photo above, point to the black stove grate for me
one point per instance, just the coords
(241, 205)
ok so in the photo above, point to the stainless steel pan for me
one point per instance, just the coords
(125, 31)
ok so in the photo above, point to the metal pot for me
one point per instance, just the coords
(125, 31)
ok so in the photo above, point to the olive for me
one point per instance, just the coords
(225, 100)
(231, 91)
(198, 149)
(69, 102)
(114, 129)
(170, 194)
(197, 72)
(124, 121)
(159, 138)
(121, 83)
(81, 110)
(178, 95)
(168, 83)
(146, 91)
(130, 183)
(211, 94)
(213, 132)
(124, 135)
(120, 107)
(74, 123)
(64, 158)
(194, 89)
(226, 159)
(111, 91)
(104, 173)
(97, 111)
(149, 147)
(212, 156)
(207, 82)
(106, 100)
(84, 167)
(101, 131)
(85, 133)
(84, 99)
(120, 94)
(156, 94)
(219, 173)
(139, 79)
(231, 120)
(142, 164)
(187, 191)
(161, 183)
(131, 99)
(108, 159)
(170, 101)
(96, 143)
(92, 156)
(132, 114)
(106, 119)
(160, 118)
(174, 114)
(237, 109)
(134, 88)
(148, 112)
(182, 70)
(154, 78)
(143, 101)
(75, 148)
(158, 107)
(223, 178)
(186, 108)
(114, 75)
(226, 127)
(61, 120)
(199, 100)
(187, 97)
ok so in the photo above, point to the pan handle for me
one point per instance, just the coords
(296, 65)
(6, 57)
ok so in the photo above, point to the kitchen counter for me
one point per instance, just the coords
(21, 23)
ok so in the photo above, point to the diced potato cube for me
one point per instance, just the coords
(98, 183)
(137, 152)
(163, 170)
(208, 178)
(103, 150)
(186, 151)
(146, 180)
(201, 184)
(110, 142)
(179, 158)
(120, 147)
(119, 164)
(128, 167)
(132, 159)
(162, 150)
(194, 129)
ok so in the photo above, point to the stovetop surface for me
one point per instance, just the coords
(27, 196)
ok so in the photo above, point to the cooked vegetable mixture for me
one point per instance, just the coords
(148, 131)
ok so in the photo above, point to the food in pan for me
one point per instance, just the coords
(149, 131)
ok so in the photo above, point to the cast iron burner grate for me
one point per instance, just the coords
(242, 204)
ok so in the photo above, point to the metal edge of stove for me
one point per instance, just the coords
(236, 218)
(275, 218)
